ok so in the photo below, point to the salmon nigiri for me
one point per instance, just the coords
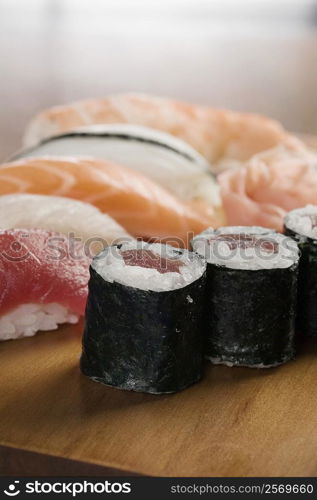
(141, 206)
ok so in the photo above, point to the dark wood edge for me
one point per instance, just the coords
(17, 462)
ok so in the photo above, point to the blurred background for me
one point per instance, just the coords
(254, 55)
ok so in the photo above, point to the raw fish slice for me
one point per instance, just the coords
(43, 281)
(170, 162)
(64, 215)
(142, 207)
(225, 138)
(42, 267)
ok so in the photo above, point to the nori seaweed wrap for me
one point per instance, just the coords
(251, 295)
(301, 225)
(144, 318)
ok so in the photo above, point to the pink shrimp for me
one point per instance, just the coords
(270, 185)
(225, 138)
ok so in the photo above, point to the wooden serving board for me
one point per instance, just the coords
(236, 422)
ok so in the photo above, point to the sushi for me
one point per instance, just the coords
(43, 281)
(225, 138)
(301, 224)
(251, 295)
(55, 213)
(142, 207)
(144, 327)
(270, 185)
(163, 158)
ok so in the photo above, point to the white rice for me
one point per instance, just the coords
(27, 319)
(300, 222)
(111, 266)
(253, 258)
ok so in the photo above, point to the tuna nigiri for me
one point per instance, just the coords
(63, 215)
(170, 162)
(142, 207)
(43, 281)
(225, 138)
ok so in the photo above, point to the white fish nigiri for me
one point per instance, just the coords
(63, 215)
(165, 159)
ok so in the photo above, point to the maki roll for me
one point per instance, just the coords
(301, 224)
(144, 318)
(251, 295)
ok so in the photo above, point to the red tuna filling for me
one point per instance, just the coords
(242, 240)
(148, 259)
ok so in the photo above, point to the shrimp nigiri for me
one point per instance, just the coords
(268, 186)
(225, 138)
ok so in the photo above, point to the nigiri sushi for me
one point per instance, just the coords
(63, 215)
(225, 138)
(268, 186)
(142, 207)
(170, 162)
(43, 281)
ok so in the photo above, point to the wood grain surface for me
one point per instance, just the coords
(18, 462)
(236, 422)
